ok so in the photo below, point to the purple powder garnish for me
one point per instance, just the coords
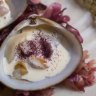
(35, 47)
(26, 49)
(46, 48)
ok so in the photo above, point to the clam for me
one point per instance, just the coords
(67, 39)
(10, 10)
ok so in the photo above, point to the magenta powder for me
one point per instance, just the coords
(29, 48)
(26, 49)
(46, 48)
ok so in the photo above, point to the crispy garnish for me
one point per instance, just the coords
(41, 60)
(20, 70)
(37, 62)
(22, 67)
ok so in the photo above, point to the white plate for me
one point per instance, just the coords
(80, 19)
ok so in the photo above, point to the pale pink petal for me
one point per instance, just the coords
(48, 12)
(52, 10)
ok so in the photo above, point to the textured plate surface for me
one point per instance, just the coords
(80, 19)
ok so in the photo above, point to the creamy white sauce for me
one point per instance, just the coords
(4, 20)
(58, 61)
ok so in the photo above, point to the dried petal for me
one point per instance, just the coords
(22, 93)
(48, 12)
(56, 8)
(75, 32)
(53, 10)
(45, 92)
(84, 75)
(66, 18)
(76, 82)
